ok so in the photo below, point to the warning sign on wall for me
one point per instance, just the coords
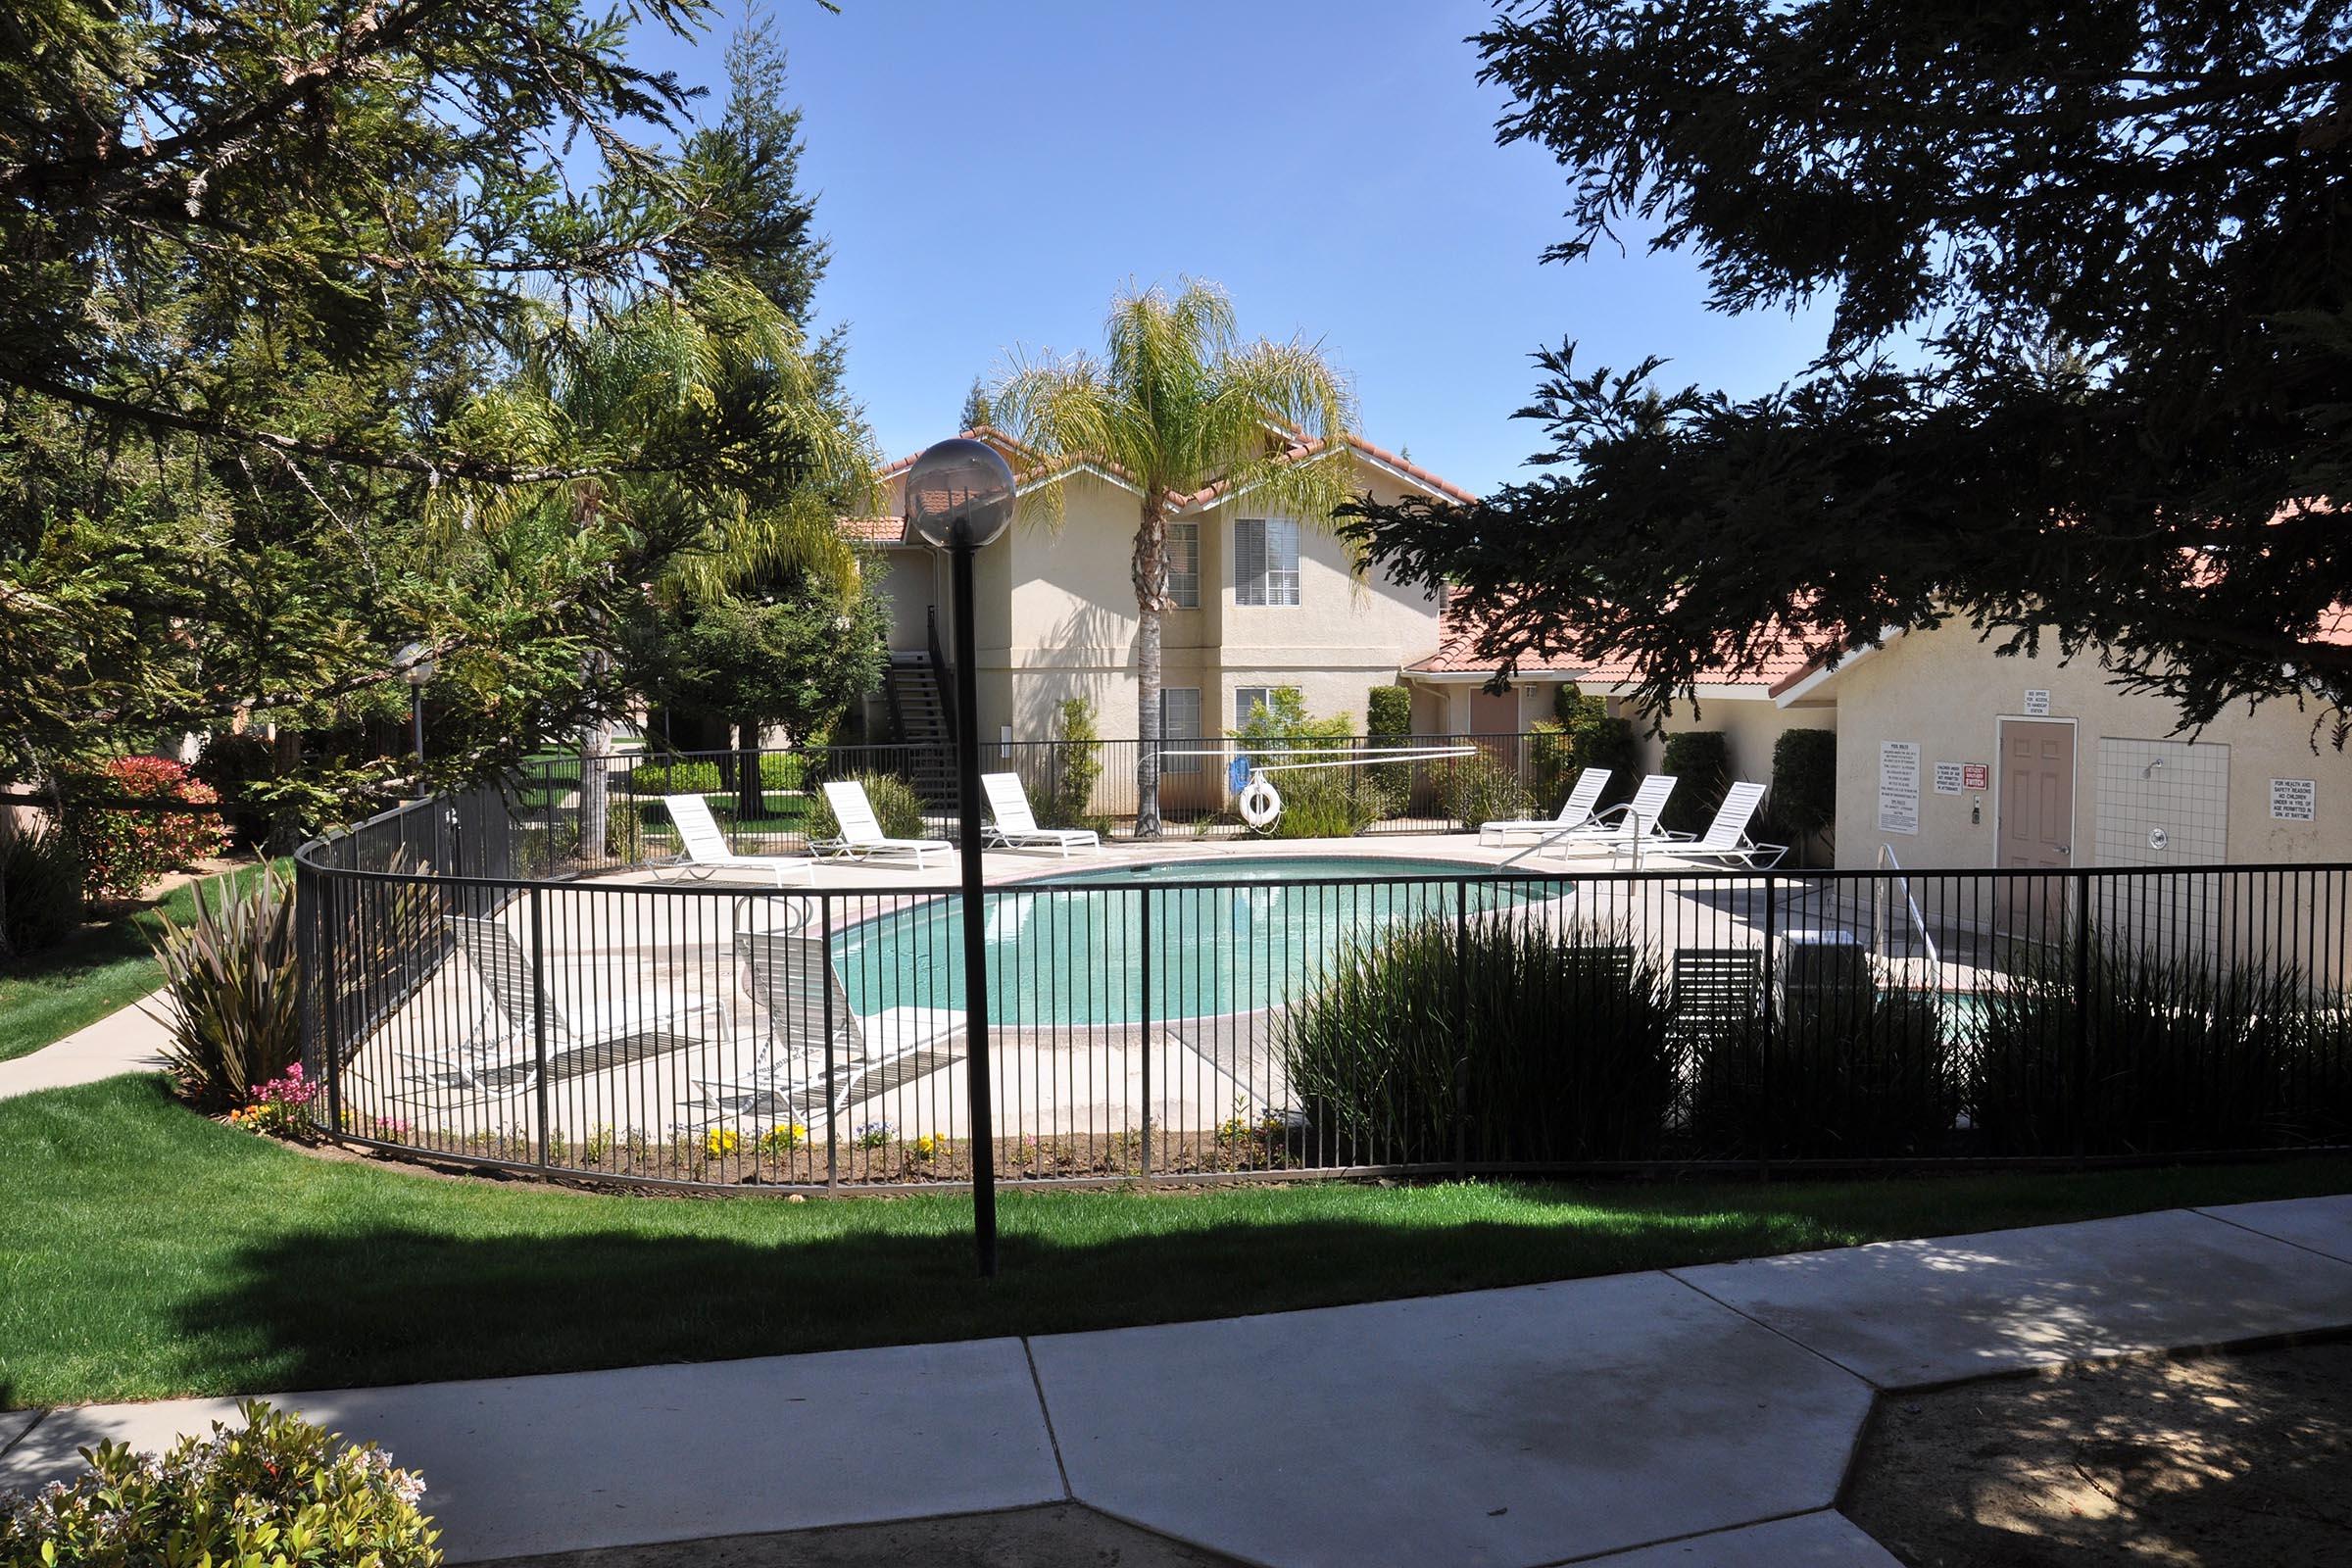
(1975, 776)
(1947, 778)
(1898, 786)
(2038, 704)
(2295, 800)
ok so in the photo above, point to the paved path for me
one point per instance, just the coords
(1696, 1416)
(128, 1040)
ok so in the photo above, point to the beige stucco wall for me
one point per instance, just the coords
(1751, 724)
(1057, 618)
(1947, 689)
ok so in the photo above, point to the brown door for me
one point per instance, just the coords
(2038, 794)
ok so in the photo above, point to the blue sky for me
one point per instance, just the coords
(989, 174)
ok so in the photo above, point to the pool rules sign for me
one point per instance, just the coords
(1898, 786)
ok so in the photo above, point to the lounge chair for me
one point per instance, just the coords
(706, 849)
(792, 988)
(861, 832)
(1615, 829)
(1015, 825)
(1718, 994)
(505, 1038)
(1726, 841)
(1575, 812)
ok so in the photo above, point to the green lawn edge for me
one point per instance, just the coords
(100, 969)
(146, 1251)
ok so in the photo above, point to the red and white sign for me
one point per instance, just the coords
(1975, 776)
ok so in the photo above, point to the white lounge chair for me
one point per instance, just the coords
(1726, 841)
(1575, 812)
(1015, 825)
(706, 849)
(793, 996)
(1616, 829)
(504, 1040)
(861, 832)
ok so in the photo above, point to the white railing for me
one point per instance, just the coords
(1889, 863)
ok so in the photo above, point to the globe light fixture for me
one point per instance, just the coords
(960, 498)
(417, 667)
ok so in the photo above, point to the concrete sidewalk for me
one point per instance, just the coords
(128, 1040)
(1699, 1416)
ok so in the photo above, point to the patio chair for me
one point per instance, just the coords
(861, 832)
(1015, 825)
(792, 986)
(1726, 841)
(706, 849)
(503, 1037)
(1575, 812)
(1718, 993)
(1630, 825)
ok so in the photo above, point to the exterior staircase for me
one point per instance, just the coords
(923, 722)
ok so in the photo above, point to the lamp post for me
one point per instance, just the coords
(420, 669)
(958, 498)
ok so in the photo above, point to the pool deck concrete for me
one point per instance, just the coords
(1700, 1416)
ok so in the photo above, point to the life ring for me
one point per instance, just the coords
(1260, 803)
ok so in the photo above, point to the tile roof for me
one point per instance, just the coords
(1457, 653)
(1028, 469)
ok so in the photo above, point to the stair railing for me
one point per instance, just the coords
(939, 673)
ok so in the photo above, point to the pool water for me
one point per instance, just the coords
(1074, 954)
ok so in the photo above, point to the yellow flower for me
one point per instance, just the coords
(721, 1141)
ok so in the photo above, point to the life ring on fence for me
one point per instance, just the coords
(1260, 803)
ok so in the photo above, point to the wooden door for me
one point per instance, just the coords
(2037, 795)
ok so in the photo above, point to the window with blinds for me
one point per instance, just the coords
(1179, 726)
(1247, 700)
(1266, 560)
(1184, 564)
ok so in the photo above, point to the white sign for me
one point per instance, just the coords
(2038, 705)
(1947, 778)
(1898, 786)
(2295, 800)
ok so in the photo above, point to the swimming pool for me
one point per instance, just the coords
(1073, 954)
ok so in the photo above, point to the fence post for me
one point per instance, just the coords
(1145, 936)
(2080, 1075)
(1462, 1024)
(539, 1016)
(1771, 967)
(824, 905)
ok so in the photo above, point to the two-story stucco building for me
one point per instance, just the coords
(1260, 601)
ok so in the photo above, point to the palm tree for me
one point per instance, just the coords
(1178, 404)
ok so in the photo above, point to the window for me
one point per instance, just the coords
(1180, 728)
(1247, 700)
(1266, 562)
(1184, 564)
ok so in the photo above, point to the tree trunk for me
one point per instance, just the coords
(1151, 580)
(748, 800)
(596, 785)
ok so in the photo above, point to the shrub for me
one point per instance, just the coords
(1700, 760)
(781, 770)
(1849, 1074)
(236, 1016)
(1804, 785)
(279, 1491)
(674, 778)
(2154, 1054)
(1389, 711)
(124, 849)
(897, 806)
(1554, 1042)
(1330, 803)
(1596, 740)
(1478, 789)
(1552, 763)
(230, 762)
(1572, 707)
(1072, 769)
(41, 890)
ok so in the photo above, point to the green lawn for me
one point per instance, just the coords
(49, 995)
(145, 1251)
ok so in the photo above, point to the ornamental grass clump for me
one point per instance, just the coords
(1552, 1041)
(2151, 1052)
(1847, 1073)
(279, 1491)
(896, 807)
(231, 978)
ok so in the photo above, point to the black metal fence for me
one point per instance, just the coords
(603, 814)
(1237, 1015)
